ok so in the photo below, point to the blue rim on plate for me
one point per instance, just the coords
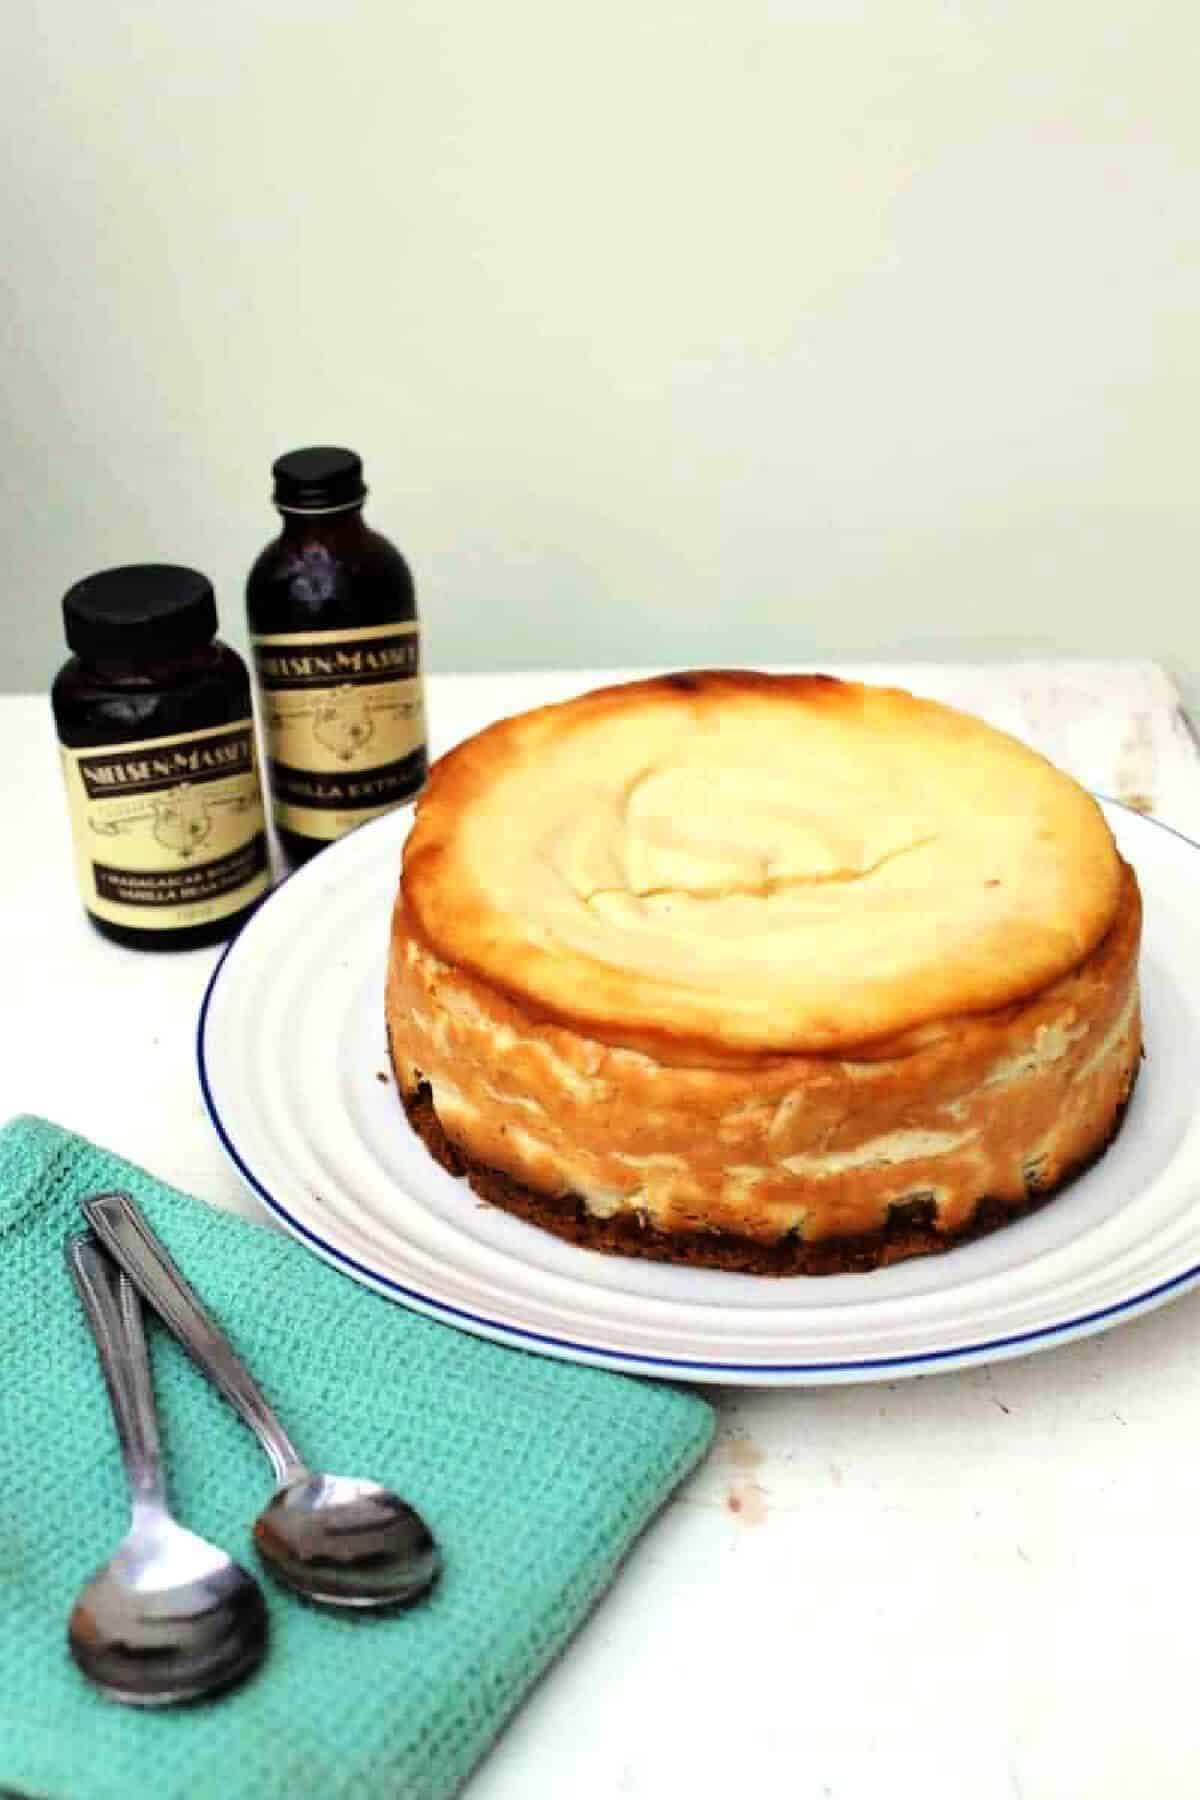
(521, 1337)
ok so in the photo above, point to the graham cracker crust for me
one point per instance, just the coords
(910, 1229)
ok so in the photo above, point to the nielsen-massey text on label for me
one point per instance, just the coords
(344, 717)
(167, 762)
(169, 832)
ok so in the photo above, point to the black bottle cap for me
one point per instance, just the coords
(321, 479)
(139, 613)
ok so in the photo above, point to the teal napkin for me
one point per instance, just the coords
(536, 1477)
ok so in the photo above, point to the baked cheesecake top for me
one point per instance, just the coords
(756, 864)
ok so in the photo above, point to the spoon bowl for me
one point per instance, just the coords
(168, 1618)
(346, 1542)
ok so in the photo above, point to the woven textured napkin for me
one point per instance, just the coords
(535, 1477)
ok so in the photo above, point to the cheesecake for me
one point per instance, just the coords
(780, 974)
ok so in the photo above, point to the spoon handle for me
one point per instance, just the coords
(123, 1230)
(114, 1314)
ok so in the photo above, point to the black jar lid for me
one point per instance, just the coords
(140, 612)
(320, 479)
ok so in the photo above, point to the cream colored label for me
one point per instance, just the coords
(169, 832)
(345, 721)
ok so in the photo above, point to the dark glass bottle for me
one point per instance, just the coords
(156, 728)
(333, 624)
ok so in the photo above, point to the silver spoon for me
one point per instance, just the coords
(169, 1617)
(337, 1540)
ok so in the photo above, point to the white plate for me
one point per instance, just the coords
(291, 1046)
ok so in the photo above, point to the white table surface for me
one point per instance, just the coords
(959, 1587)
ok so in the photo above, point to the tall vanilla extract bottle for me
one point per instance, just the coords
(337, 652)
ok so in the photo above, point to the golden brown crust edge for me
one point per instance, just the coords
(1105, 990)
(760, 1148)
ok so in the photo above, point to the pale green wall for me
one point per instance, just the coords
(738, 330)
